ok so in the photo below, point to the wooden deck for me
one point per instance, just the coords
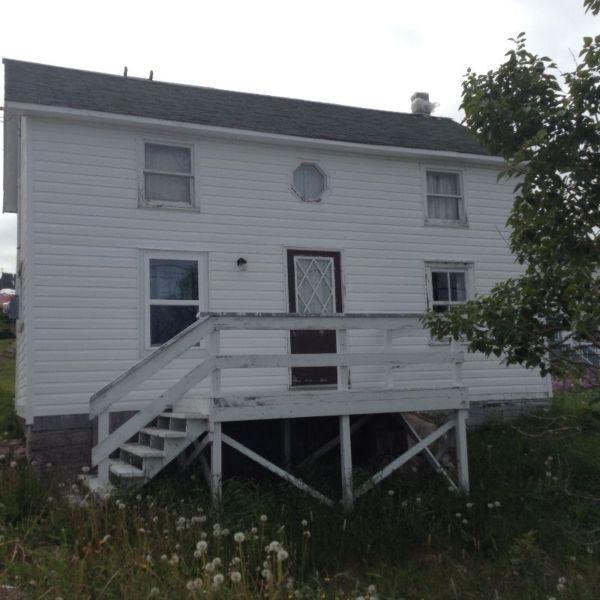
(199, 423)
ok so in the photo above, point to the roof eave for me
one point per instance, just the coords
(42, 110)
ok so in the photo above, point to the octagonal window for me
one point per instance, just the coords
(309, 182)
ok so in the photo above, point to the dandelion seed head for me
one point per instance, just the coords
(239, 537)
(282, 555)
(263, 518)
(236, 576)
(304, 523)
(218, 579)
(201, 546)
(266, 574)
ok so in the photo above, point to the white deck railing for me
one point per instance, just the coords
(344, 401)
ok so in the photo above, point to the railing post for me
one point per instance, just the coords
(457, 376)
(462, 457)
(389, 373)
(214, 347)
(344, 427)
(103, 433)
(343, 373)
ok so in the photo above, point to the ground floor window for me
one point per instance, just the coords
(448, 284)
(174, 294)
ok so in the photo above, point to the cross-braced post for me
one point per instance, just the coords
(346, 463)
(216, 467)
(462, 459)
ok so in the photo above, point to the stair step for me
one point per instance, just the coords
(163, 433)
(142, 451)
(184, 415)
(123, 469)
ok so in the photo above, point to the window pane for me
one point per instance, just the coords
(314, 286)
(167, 188)
(172, 159)
(173, 279)
(439, 207)
(440, 308)
(443, 183)
(458, 287)
(167, 321)
(439, 281)
(309, 182)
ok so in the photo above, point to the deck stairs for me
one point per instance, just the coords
(156, 445)
(179, 425)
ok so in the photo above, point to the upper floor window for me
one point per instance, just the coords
(168, 175)
(445, 201)
(309, 182)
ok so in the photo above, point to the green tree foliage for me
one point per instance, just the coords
(545, 125)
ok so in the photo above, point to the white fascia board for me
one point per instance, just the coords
(92, 116)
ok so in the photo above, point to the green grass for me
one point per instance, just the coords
(8, 420)
(530, 529)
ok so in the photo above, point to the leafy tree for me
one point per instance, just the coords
(545, 125)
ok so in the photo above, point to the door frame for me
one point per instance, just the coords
(289, 252)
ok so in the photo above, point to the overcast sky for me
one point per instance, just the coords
(371, 53)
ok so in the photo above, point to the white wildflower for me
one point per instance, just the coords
(239, 537)
(263, 518)
(391, 492)
(190, 585)
(209, 567)
(218, 579)
(273, 547)
(217, 562)
(13, 464)
(306, 533)
(497, 504)
(282, 555)
(236, 576)
(266, 574)
(201, 546)
(254, 530)
(304, 523)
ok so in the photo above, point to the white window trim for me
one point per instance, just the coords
(468, 268)
(326, 190)
(143, 202)
(201, 258)
(462, 205)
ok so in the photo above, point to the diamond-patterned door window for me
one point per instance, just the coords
(315, 285)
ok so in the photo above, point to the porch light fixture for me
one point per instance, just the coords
(242, 264)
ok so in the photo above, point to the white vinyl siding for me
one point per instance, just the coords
(87, 282)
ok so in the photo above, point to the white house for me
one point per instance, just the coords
(141, 204)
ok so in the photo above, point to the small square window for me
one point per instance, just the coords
(168, 178)
(445, 202)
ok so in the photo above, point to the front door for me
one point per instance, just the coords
(315, 288)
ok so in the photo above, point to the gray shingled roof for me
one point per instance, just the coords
(57, 86)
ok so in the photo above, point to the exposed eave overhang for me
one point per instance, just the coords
(90, 116)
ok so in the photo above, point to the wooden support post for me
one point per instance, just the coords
(287, 443)
(457, 378)
(103, 433)
(346, 463)
(389, 374)
(462, 458)
(216, 468)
